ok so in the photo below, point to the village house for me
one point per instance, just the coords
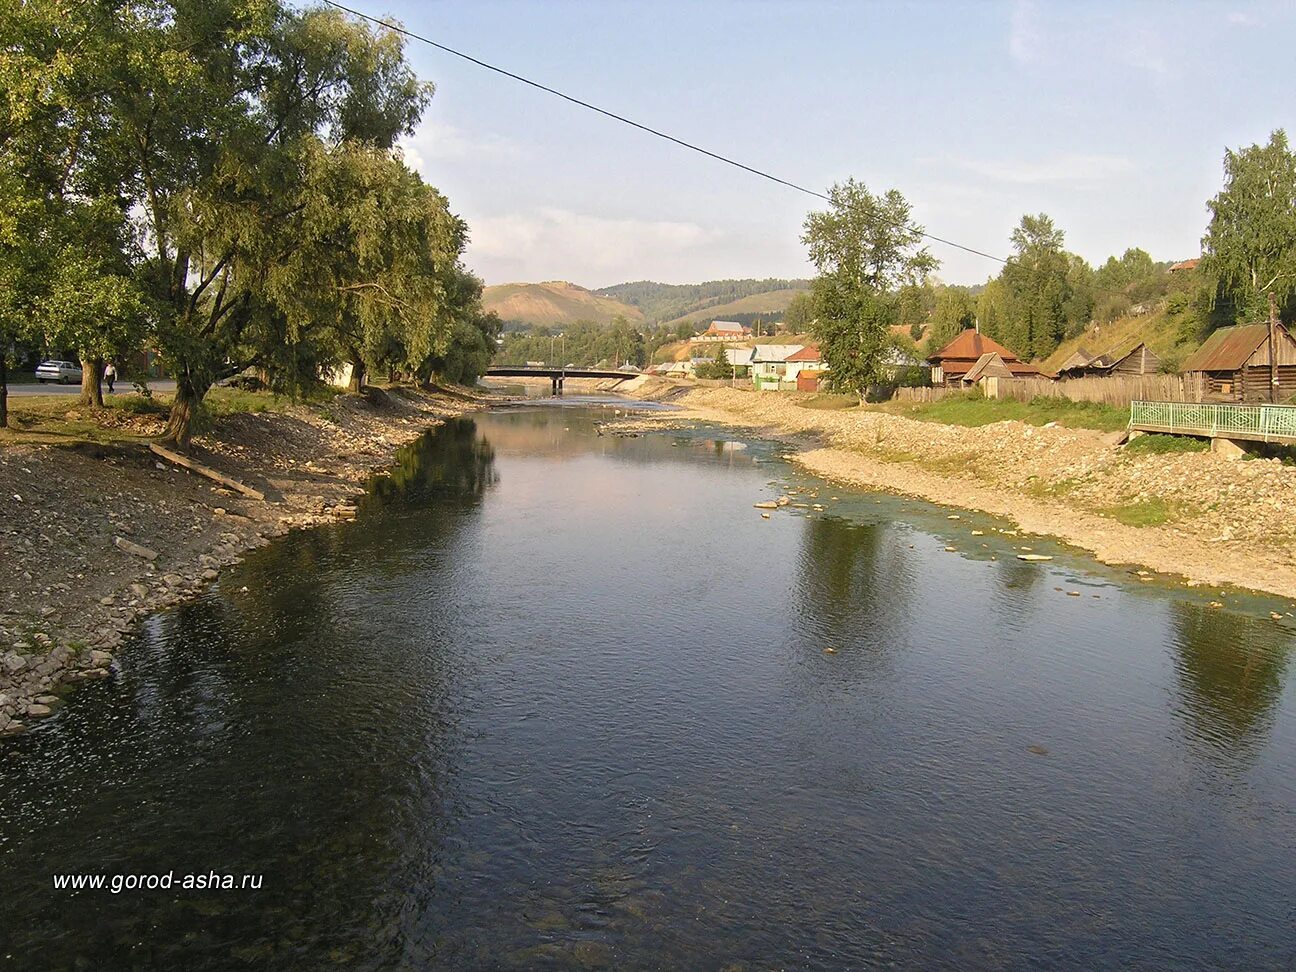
(1183, 265)
(951, 363)
(740, 360)
(804, 367)
(1075, 363)
(1138, 359)
(724, 331)
(1233, 364)
(769, 364)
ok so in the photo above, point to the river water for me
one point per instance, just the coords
(558, 699)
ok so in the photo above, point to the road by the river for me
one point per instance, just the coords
(123, 388)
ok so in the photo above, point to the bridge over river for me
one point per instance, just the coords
(556, 374)
(1227, 426)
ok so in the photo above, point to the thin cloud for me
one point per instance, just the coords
(1061, 170)
(1048, 36)
(437, 142)
(544, 243)
(1025, 36)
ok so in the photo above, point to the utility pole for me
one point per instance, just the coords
(1273, 348)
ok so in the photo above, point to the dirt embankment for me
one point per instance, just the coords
(94, 536)
(1223, 522)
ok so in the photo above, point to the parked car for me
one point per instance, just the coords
(63, 372)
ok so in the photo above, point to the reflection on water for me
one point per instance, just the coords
(562, 699)
(1232, 677)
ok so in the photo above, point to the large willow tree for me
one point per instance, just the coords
(251, 148)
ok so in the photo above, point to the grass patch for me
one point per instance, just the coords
(1160, 445)
(975, 410)
(139, 404)
(823, 401)
(233, 401)
(1144, 512)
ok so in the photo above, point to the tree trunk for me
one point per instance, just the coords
(4, 391)
(356, 385)
(184, 409)
(91, 382)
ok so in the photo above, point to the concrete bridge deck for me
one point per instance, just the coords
(557, 375)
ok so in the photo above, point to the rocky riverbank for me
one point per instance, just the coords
(1222, 522)
(95, 536)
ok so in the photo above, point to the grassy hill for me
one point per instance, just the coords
(672, 302)
(555, 302)
(772, 302)
(1171, 336)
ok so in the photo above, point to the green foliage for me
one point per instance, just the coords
(584, 344)
(865, 248)
(1153, 511)
(976, 410)
(718, 367)
(253, 146)
(1035, 290)
(1249, 249)
(1160, 445)
(916, 304)
(799, 316)
(955, 310)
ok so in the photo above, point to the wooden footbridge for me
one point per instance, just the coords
(557, 375)
(1227, 426)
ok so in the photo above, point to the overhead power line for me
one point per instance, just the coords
(629, 121)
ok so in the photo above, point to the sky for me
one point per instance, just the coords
(1113, 118)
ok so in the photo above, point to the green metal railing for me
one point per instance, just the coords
(1267, 423)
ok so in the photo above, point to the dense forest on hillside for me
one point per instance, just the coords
(667, 302)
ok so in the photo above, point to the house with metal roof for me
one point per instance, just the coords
(724, 331)
(804, 368)
(956, 359)
(769, 364)
(1234, 365)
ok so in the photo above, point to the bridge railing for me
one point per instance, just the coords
(1264, 422)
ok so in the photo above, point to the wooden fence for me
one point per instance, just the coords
(1118, 390)
(1115, 390)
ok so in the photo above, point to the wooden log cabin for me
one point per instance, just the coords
(1233, 364)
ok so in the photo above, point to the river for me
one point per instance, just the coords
(562, 699)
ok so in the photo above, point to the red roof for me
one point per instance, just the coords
(969, 346)
(1185, 265)
(809, 353)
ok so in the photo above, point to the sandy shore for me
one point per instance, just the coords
(1232, 523)
(93, 537)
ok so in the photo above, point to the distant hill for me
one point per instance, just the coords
(555, 302)
(672, 302)
(770, 305)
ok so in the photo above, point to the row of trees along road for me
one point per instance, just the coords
(219, 180)
(873, 273)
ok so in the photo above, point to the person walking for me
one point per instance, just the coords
(110, 376)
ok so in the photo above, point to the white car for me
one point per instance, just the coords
(63, 372)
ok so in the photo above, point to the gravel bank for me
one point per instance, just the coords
(93, 537)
